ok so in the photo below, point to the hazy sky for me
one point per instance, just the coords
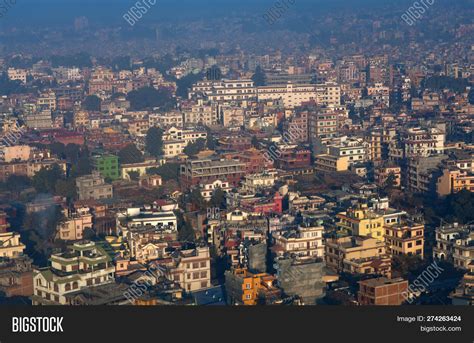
(44, 12)
(107, 10)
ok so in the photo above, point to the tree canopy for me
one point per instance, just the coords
(445, 82)
(214, 73)
(8, 87)
(130, 154)
(45, 180)
(259, 78)
(168, 171)
(149, 97)
(186, 82)
(185, 230)
(192, 149)
(154, 141)
(218, 198)
(92, 103)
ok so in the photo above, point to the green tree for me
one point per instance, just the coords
(45, 180)
(185, 230)
(218, 198)
(66, 188)
(134, 175)
(259, 78)
(16, 184)
(460, 206)
(389, 183)
(84, 165)
(192, 149)
(154, 141)
(196, 199)
(214, 73)
(255, 142)
(72, 152)
(8, 87)
(130, 154)
(168, 171)
(185, 83)
(147, 98)
(445, 82)
(211, 141)
(92, 103)
(58, 149)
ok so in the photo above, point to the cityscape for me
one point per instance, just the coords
(257, 153)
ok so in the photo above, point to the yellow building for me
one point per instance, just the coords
(453, 181)
(405, 239)
(358, 255)
(367, 221)
(139, 168)
(10, 245)
(383, 173)
(362, 221)
(330, 163)
(246, 288)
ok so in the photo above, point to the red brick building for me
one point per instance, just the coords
(267, 206)
(205, 171)
(255, 161)
(382, 291)
(290, 159)
(235, 143)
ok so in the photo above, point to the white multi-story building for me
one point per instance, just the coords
(47, 101)
(86, 264)
(67, 74)
(208, 189)
(294, 95)
(191, 268)
(226, 90)
(305, 242)
(255, 182)
(379, 93)
(232, 116)
(169, 119)
(176, 139)
(202, 113)
(353, 149)
(446, 238)
(139, 217)
(424, 142)
(17, 74)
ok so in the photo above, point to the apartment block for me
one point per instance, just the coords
(107, 166)
(246, 288)
(446, 237)
(382, 291)
(72, 229)
(85, 264)
(190, 268)
(305, 241)
(93, 187)
(406, 238)
(204, 171)
(453, 181)
(358, 255)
